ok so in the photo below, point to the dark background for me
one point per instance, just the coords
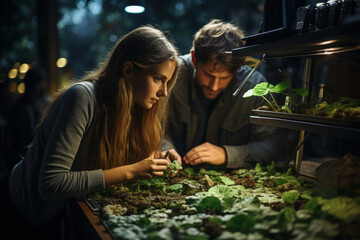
(38, 32)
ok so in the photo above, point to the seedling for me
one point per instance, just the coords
(265, 88)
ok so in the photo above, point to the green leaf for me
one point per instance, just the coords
(242, 172)
(290, 196)
(286, 109)
(249, 93)
(209, 172)
(289, 214)
(209, 202)
(312, 204)
(216, 220)
(323, 229)
(194, 237)
(271, 168)
(228, 202)
(258, 168)
(227, 181)
(176, 188)
(175, 165)
(286, 219)
(300, 91)
(280, 181)
(242, 223)
(143, 222)
(261, 89)
(344, 208)
(281, 87)
(190, 171)
(306, 194)
(222, 191)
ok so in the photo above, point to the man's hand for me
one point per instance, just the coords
(206, 153)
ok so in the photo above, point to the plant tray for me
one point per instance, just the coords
(307, 118)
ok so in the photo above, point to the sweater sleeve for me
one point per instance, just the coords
(70, 117)
(265, 144)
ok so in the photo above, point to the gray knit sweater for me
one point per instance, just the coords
(55, 168)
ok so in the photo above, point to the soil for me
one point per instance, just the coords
(285, 187)
(247, 181)
(277, 206)
(137, 202)
(180, 176)
(269, 182)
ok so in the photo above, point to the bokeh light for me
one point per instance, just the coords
(24, 68)
(13, 73)
(21, 88)
(61, 62)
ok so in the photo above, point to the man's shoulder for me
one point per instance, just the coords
(185, 74)
(185, 59)
(182, 88)
(255, 78)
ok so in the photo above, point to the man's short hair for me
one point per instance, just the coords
(214, 39)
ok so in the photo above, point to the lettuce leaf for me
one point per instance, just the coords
(344, 208)
(290, 196)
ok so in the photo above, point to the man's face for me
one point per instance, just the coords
(212, 78)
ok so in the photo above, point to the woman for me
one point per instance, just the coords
(106, 129)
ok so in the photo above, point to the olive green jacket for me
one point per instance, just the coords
(228, 125)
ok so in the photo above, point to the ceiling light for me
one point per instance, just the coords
(134, 9)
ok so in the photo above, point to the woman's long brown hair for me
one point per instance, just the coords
(125, 132)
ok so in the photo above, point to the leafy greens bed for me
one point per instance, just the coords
(258, 203)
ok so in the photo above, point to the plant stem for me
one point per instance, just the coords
(272, 106)
(274, 101)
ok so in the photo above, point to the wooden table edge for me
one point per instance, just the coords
(92, 223)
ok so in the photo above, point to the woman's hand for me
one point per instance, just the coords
(147, 168)
(173, 155)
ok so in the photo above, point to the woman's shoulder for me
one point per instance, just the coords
(83, 87)
(83, 90)
(79, 95)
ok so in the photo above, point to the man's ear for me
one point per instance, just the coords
(127, 70)
(193, 59)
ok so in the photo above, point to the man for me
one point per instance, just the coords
(207, 124)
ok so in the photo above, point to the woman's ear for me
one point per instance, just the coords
(127, 70)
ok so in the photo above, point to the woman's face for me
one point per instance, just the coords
(150, 85)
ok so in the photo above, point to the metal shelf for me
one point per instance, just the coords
(326, 129)
(345, 37)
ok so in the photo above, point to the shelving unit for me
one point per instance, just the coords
(343, 38)
(326, 129)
